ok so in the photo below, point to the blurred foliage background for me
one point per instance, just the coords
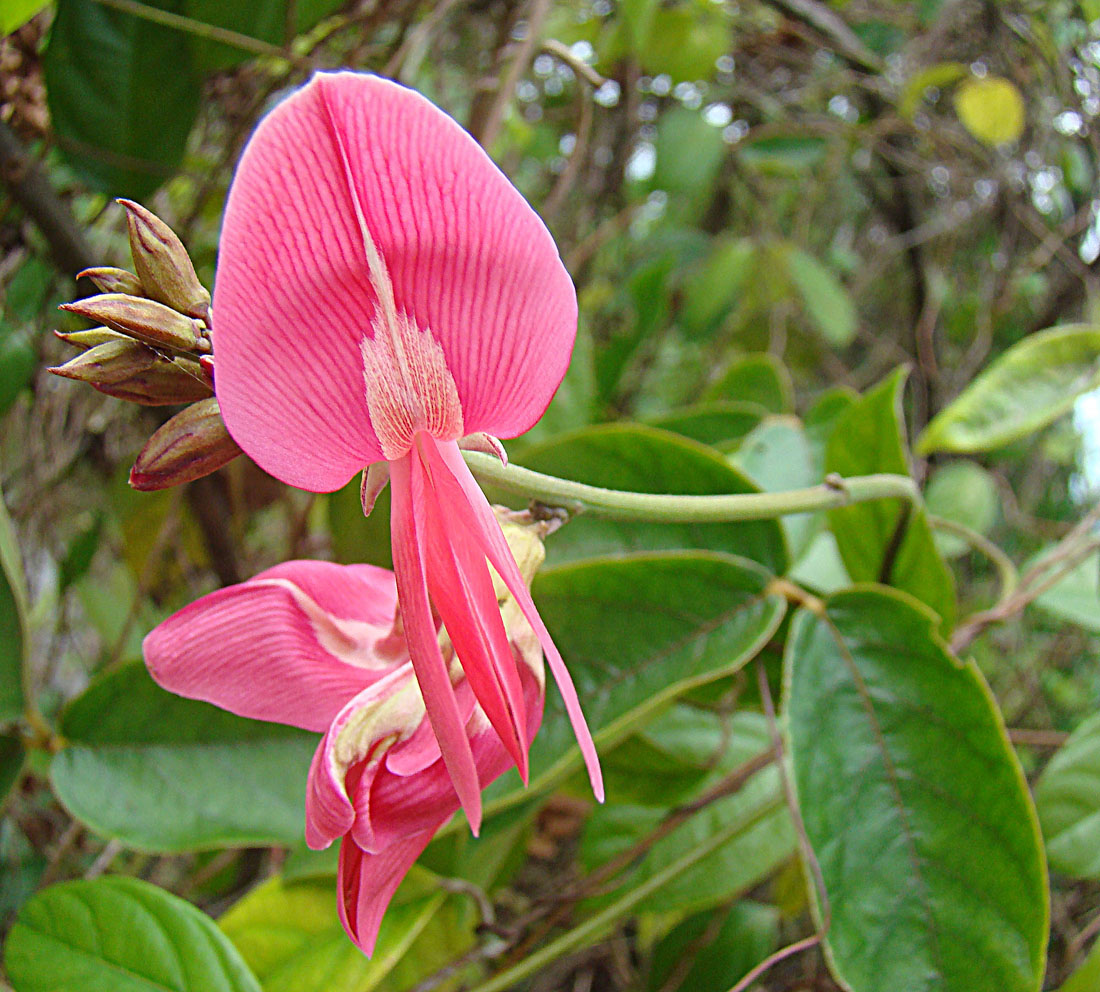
(767, 207)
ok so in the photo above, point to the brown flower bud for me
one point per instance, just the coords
(163, 264)
(109, 363)
(168, 381)
(91, 337)
(111, 280)
(143, 319)
(192, 444)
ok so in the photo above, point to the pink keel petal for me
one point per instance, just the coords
(431, 670)
(463, 594)
(498, 552)
(467, 257)
(366, 883)
(254, 649)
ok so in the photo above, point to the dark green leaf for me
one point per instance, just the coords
(638, 632)
(120, 935)
(1068, 799)
(759, 378)
(1025, 389)
(719, 423)
(122, 95)
(356, 538)
(11, 763)
(867, 439)
(13, 631)
(643, 459)
(783, 155)
(913, 802)
(163, 773)
(82, 549)
(715, 289)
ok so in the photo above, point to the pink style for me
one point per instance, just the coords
(385, 296)
(312, 644)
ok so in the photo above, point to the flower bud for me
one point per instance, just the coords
(91, 337)
(111, 280)
(192, 444)
(167, 382)
(163, 264)
(109, 363)
(143, 319)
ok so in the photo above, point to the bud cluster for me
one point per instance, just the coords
(153, 347)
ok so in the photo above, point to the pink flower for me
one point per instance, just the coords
(383, 297)
(315, 645)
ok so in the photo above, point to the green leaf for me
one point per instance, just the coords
(689, 154)
(869, 438)
(643, 459)
(913, 802)
(1076, 597)
(826, 300)
(965, 493)
(638, 632)
(745, 935)
(357, 539)
(122, 96)
(15, 13)
(1087, 977)
(719, 423)
(13, 623)
(733, 868)
(163, 773)
(1068, 799)
(717, 286)
(264, 20)
(934, 77)
(290, 934)
(1028, 387)
(789, 156)
(991, 109)
(777, 456)
(759, 378)
(685, 41)
(81, 550)
(120, 935)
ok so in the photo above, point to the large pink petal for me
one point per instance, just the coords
(261, 650)
(367, 882)
(467, 257)
(500, 555)
(431, 670)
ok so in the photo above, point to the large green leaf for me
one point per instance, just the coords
(1068, 799)
(734, 867)
(163, 773)
(120, 935)
(1029, 386)
(13, 633)
(122, 95)
(964, 492)
(719, 423)
(1076, 596)
(913, 803)
(869, 438)
(636, 633)
(644, 459)
(290, 934)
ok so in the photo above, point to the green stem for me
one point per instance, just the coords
(200, 29)
(595, 925)
(614, 504)
(1006, 571)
